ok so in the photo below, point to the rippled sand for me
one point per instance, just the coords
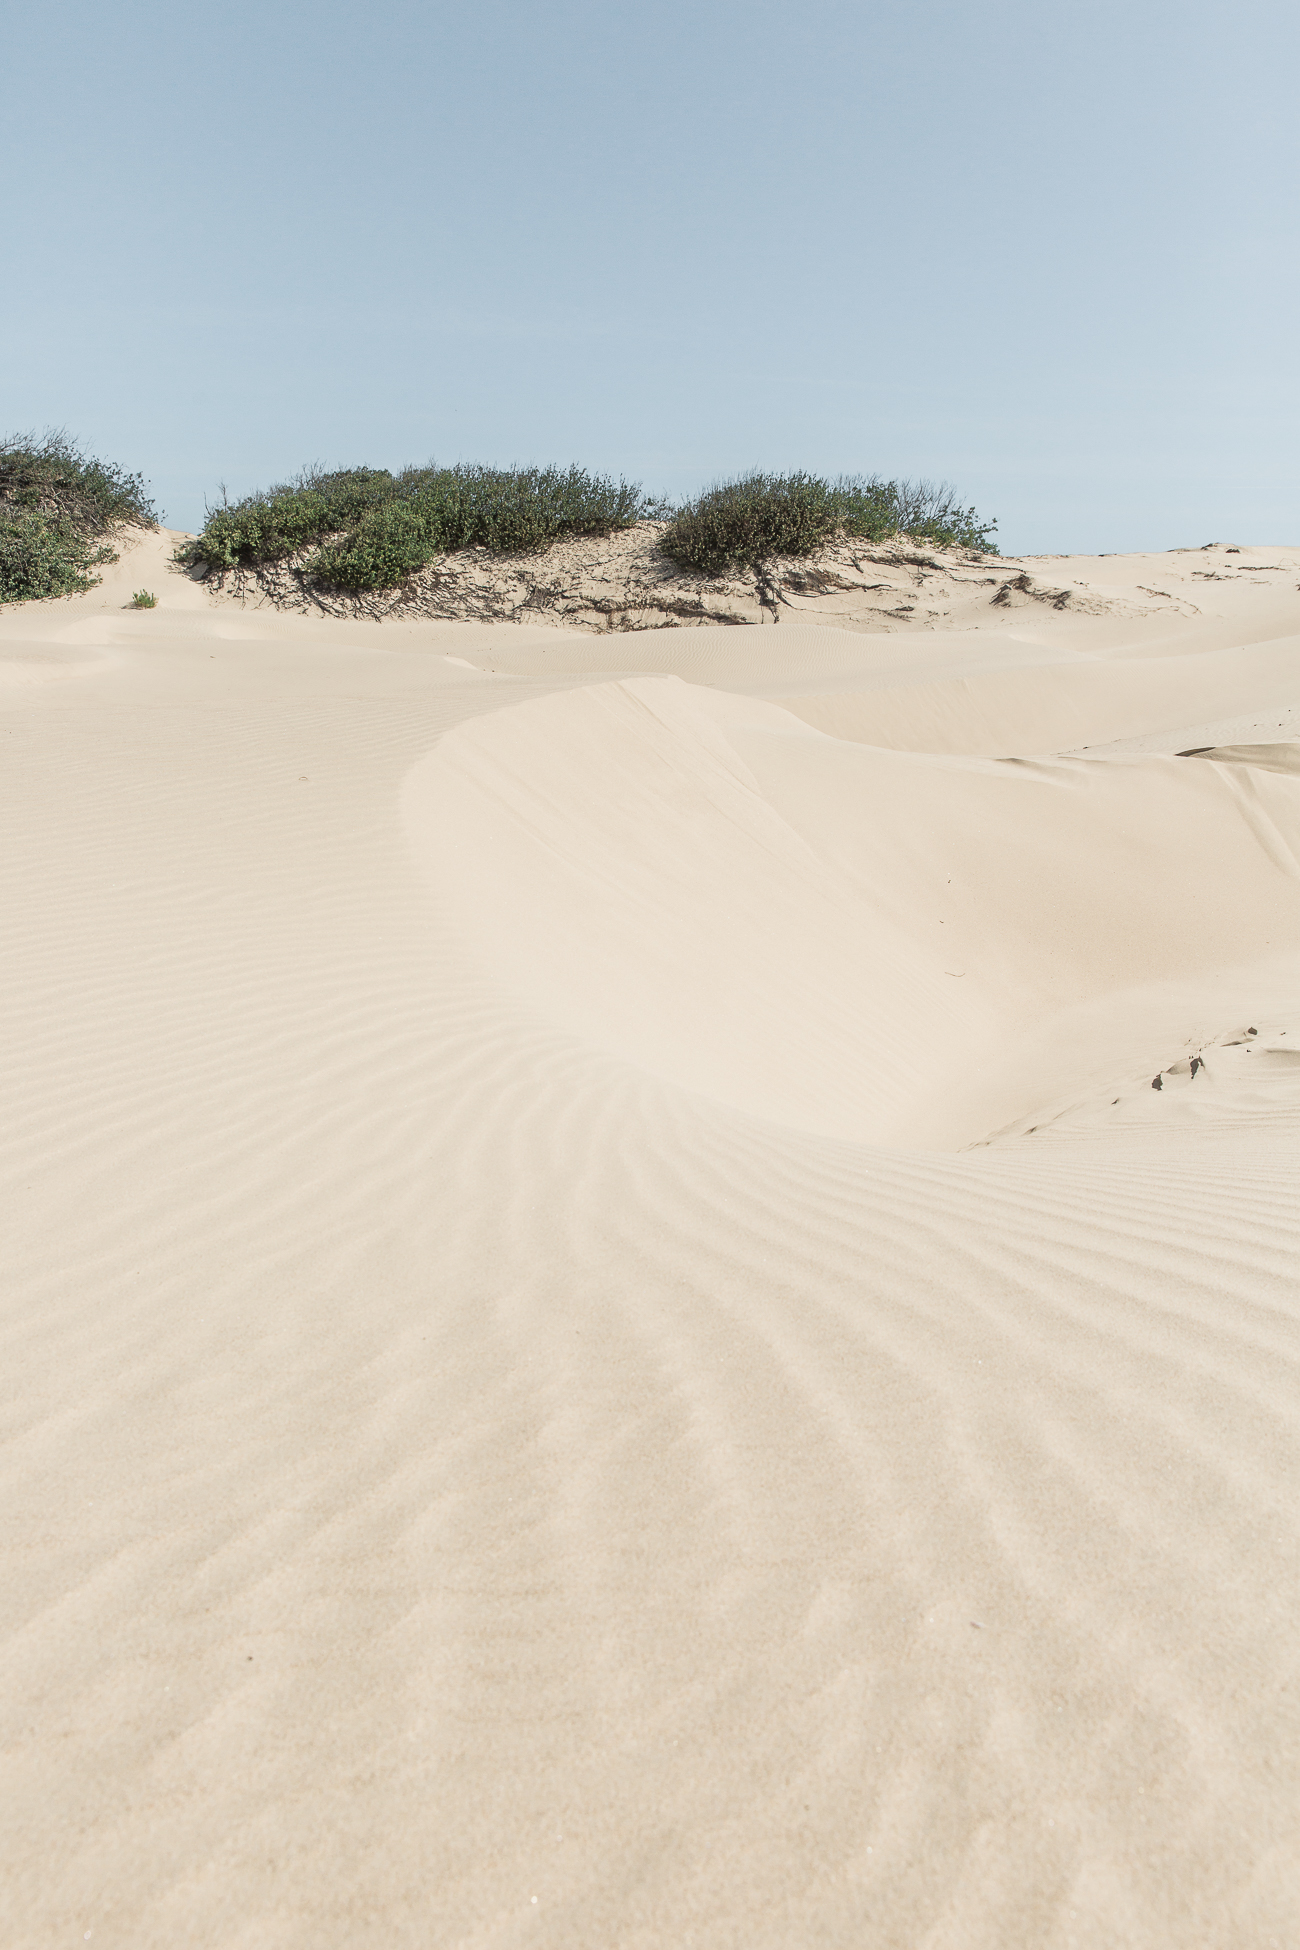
(606, 1340)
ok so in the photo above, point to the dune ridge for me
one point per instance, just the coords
(547, 1401)
(622, 583)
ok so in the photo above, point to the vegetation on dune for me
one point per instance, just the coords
(58, 509)
(372, 529)
(281, 521)
(745, 522)
(364, 529)
(507, 511)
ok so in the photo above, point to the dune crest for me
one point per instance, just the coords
(716, 893)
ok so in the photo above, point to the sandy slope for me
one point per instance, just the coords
(606, 1342)
(624, 582)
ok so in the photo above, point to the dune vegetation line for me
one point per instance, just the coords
(363, 529)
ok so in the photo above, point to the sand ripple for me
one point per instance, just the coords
(525, 1425)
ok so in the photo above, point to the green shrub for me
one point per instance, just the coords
(507, 511)
(44, 555)
(144, 599)
(281, 521)
(742, 523)
(387, 545)
(928, 511)
(511, 511)
(57, 506)
(363, 528)
(375, 528)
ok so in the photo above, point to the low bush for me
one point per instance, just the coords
(742, 523)
(514, 510)
(364, 529)
(144, 599)
(277, 522)
(388, 544)
(375, 528)
(44, 555)
(58, 508)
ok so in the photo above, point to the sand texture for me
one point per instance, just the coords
(606, 1342)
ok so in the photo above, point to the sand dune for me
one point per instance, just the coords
(623, 582)
(607, 1341)
(836, 937)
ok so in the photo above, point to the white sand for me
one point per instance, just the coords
(606, 1343)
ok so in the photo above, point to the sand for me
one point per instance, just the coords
(624, 582)
(606, 1341)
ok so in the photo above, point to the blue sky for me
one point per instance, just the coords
(1047, 253)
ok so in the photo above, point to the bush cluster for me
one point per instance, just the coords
(742, 523)
(373, 528)
(363, 528)
(45, 555)
(57, 508)
(281, 521)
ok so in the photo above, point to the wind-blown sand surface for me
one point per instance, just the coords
(606, 1342)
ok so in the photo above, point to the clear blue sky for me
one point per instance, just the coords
(1046, 252)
